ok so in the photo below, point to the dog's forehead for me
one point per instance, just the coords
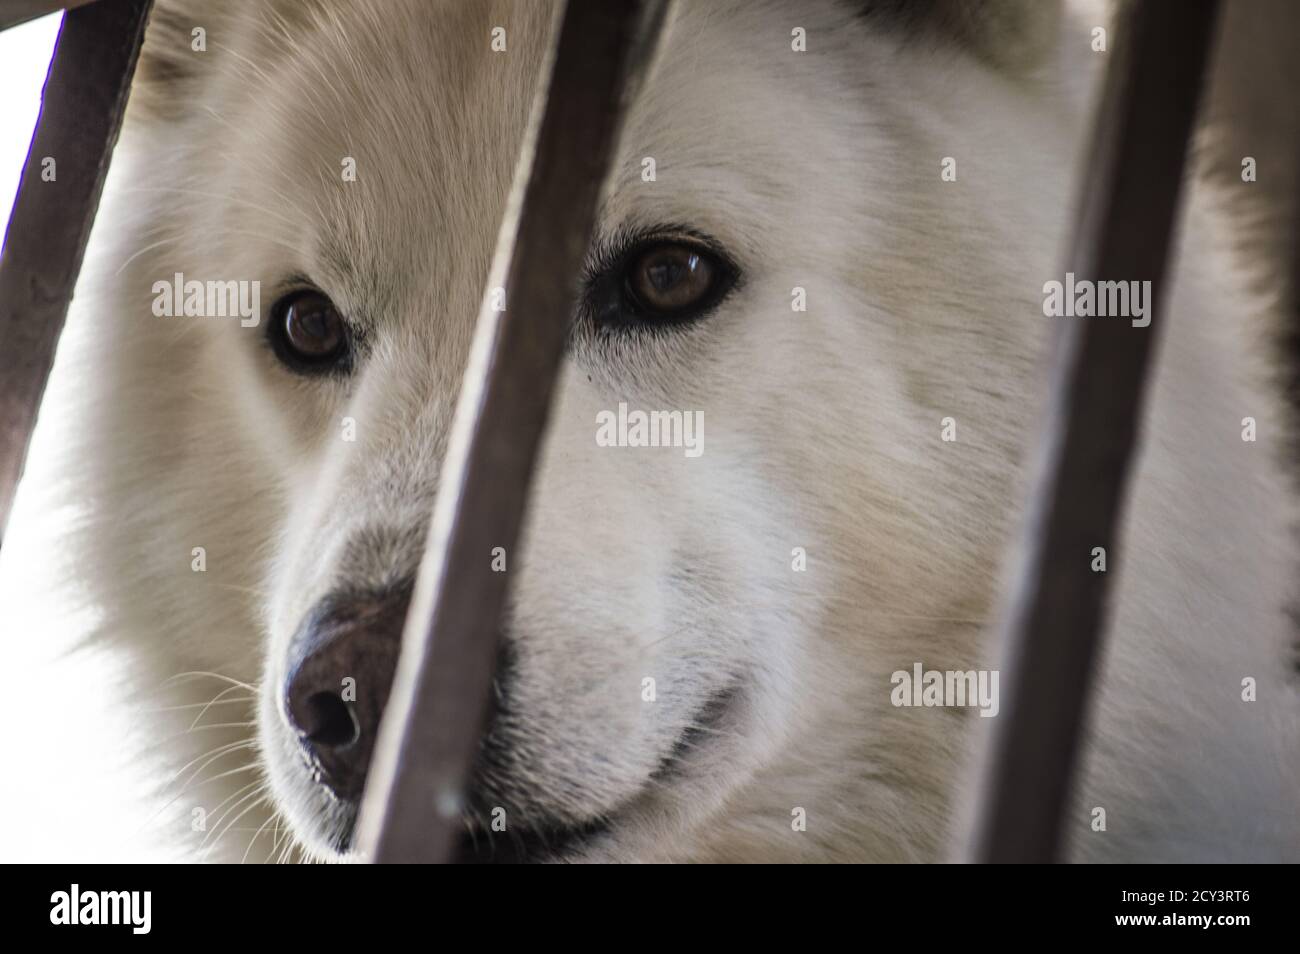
(427, 104)
(402, 124)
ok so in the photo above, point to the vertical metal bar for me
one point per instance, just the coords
(85, 96)
(1123, 231)
(411, 808)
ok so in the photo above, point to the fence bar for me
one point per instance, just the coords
(85, 97)
(430, 732)
(1123, 231)
(14, 12)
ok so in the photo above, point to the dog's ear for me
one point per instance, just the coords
(1012, 35)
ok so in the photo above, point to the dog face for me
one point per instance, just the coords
(777, 262)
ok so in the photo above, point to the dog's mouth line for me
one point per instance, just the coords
(555, 843)
(482, 845)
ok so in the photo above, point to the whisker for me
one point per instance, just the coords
(215, 699)
(235, 796)
(259, 795)
(200, 673)
(257, 835)
(215, 754)
(210, 757)
(199, 705)
(195, 783)
(171, 239)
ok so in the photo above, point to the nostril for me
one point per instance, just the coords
(329, 721)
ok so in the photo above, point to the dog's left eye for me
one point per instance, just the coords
(308, 334)
(670, 278)
(659, 283)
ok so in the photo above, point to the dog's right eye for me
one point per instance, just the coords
(309, 335)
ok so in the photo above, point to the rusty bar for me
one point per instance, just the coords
(430, 732)
(85, 96)
(1123, 231)
(14, 12)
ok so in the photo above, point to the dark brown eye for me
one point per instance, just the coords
(308, 333)
(656, 284)
(671, 278)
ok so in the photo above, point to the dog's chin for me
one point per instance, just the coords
(329, 835)
(328, 828)
(323, 826)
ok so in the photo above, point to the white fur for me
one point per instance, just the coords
(818, 170)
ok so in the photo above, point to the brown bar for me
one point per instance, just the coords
(1122, 232)
(435, 714)
(14, 12)
(85, 96)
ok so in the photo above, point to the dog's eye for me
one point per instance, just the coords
(670, 278)
(658, 283)
(308, 333)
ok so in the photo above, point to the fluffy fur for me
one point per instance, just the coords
(818, 170)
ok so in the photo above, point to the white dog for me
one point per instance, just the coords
(828, 233)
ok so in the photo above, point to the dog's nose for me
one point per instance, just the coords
(342, 661)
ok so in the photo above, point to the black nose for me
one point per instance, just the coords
(342, 663)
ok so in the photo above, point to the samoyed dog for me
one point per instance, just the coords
(824, 248)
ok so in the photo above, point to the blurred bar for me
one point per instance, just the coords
(85, 96)
(430, 733)
(1123, 231)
